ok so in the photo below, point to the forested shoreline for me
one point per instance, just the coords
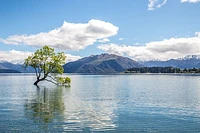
(162, 70)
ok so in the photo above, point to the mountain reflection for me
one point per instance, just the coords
(46, 105)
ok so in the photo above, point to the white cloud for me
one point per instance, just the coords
(71, 58)
(159, 50)
(121, 39)
(190, 1)
(153, 4)
(136, 43)
(15, 57)
(197, 34)
(104, 40)
(72, 36)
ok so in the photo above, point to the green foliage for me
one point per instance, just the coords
(47, 65)
(63, 80)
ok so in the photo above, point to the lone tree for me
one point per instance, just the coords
(48, 65)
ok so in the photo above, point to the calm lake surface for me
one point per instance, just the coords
(101, 103)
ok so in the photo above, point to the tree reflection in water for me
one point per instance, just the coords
(47, 109)
(46, 106)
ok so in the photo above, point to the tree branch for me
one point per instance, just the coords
(44, 69)
(36, 73)
(51, 81)
(52, 78)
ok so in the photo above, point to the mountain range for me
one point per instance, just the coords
(104, 63)
(8, 67)
(107, 63)
(190, 61)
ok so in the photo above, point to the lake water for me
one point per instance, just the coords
(101, 103)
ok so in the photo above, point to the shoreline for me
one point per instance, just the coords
(173, 74)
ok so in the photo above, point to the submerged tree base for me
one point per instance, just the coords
(61, 81)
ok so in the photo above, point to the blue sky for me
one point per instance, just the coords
(139, 29)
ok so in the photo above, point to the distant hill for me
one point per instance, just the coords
(189, 61)
(17, 67)
(104, 63)
(8, 71)
(2, 67)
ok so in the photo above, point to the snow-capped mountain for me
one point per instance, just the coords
(188, 57)
(189, 61)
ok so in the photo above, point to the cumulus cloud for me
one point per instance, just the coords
(190, 1)
(121, 39)
(104, 40)
(17, 57)
(158, 50)
(71, 58)
(14, 56)
(72, 36)
(153, 4)
(197, 34)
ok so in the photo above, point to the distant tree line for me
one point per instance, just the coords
(8, 71)
(162, 70)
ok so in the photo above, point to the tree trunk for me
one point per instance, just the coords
(36, 82)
